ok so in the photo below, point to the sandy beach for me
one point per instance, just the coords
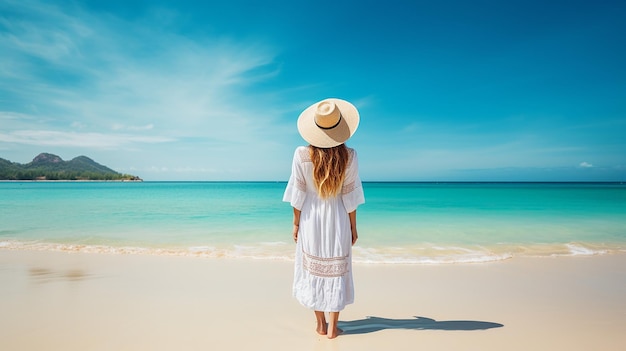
(77, 301)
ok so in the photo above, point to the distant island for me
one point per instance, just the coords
(51, 167)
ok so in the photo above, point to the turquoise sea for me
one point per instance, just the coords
(409, 223)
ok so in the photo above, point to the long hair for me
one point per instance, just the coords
(329, 169)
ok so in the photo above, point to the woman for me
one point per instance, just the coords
(325, 190)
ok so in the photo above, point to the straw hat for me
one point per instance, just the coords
(328, 123)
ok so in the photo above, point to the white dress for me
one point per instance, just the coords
(323, 267)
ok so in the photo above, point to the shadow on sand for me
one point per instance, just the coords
(374, 324)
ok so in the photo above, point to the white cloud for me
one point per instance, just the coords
(79, 80)
(119, 126)
(585, 165)
(77, 125)
(73, 139)
(113, 74)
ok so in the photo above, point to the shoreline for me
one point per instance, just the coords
(425, 182)
(284, 251)
(78, 301)
(426, 254)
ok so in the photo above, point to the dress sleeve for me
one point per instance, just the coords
(295, 193)
(352, 189)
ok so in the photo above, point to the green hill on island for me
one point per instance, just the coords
(51, 167)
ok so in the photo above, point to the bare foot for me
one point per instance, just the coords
(335, 332)
(322, 328)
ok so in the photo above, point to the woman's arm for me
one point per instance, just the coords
(355, 235)
(296, 223)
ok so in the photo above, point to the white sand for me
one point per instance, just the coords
(70, 301)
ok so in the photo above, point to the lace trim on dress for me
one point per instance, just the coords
(348, 188)
(301, 185)
(350, 158)
(305, 156)
(325, 267)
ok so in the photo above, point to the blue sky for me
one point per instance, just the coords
(211, 90)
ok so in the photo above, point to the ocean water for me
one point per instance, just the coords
(407, 223)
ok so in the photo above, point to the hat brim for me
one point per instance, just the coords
(326, 138)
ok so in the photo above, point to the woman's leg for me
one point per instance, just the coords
(322, 327)
(333, 331)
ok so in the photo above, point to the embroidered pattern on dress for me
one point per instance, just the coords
(305, 156)
(325, 267)
(301, 184)
(348, 188)
(350, 157)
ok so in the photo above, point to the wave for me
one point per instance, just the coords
(426, 255)
(283, 251)
(259, 251)
(580, 250)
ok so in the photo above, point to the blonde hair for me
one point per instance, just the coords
(329, 169)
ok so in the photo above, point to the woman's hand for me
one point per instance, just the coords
(296, 223)
(355, 235)
(296, 227)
